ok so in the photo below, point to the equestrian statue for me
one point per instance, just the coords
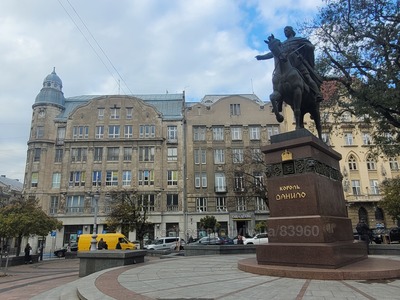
(294, 79)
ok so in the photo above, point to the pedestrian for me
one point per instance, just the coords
(118, 246)
(240, 240)
(28, 254)
(100, 245)
(105, 245)
(364, 232)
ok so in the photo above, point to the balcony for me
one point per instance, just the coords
(220, 189)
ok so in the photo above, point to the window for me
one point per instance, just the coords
(374, 186)
(254, 132)
(78, 154)
(200, 156)
(172, 132)
(146, 153)
(113, 131)
(128, 131)
(53, 205)
(60, 135)
(80, 132)
(258, 180)
(98, 154)
(348, 139)
(56, 180)
(34, 179)
(199, 133)
(96, 178)
(325, 137)
(236, 133)
(219, 156)
(127, 153)
(112, 153)
(172, 177)
(129, 111)
(218, 133)
(394, 165)
(355, 185)
(346, 116)
(75, 204)
(126, 178)
(272, 130)
(256, 155)
(172, 154)
(221, 204)
(100, 113)
(237, 156)
(172, 202)
(200, 179)
(111, 178)
(366, 138)
(36, 154)
(99, 134)
(240, 204)
(220, 183)
(146, 177)
(235, 109)
(260, 204)
(147, 131)
(147, 202)
(39, 132)
(201, 204)
(238, 182)
(59, 156)
(371, 163)
(77, 178)
(114, 112)
(352, 163)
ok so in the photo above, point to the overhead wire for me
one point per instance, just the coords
(97, 44)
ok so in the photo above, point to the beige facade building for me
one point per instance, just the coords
(362, 171)
(225, 134)
(85, 145)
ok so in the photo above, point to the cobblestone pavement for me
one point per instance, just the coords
(25, 281)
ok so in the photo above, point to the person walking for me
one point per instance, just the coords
(28, 254)
(364, 232)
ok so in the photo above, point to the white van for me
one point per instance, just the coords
(166, 243)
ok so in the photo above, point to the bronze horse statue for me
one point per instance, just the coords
(290, 87)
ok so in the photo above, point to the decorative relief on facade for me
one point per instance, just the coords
(299, 166)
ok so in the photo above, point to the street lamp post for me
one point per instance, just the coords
(93, 243)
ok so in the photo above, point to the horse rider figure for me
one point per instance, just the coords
(303, 50)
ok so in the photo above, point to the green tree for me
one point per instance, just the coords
(24, 218)
(391, 200)
(358, 46)
(210, 224)
(129, 212)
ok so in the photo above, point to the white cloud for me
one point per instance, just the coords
(200, 46)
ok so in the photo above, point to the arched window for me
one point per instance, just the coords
(371, 163)
(379, 214)
(352, 163)
(363, 214)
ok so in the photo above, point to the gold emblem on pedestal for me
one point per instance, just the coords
(287, 155)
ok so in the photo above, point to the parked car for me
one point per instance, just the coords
(261, 238)
(394, 234)
(166, 243)
(378, 235)
(61, 252)
(226, 240)
(210, 241)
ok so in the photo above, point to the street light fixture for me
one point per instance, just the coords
(93, 243)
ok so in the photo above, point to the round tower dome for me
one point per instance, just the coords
(51, 92)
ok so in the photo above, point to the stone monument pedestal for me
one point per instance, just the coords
(308, 225)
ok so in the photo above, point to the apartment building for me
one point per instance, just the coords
(89, 146)
(225, 134)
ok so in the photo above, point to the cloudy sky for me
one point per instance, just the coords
(132, 47)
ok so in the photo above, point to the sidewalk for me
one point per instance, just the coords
(214, 277)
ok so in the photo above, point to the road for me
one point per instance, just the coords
(25, 281)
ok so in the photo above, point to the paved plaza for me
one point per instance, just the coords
(206, 277)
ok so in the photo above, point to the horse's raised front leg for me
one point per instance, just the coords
(275, 98)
